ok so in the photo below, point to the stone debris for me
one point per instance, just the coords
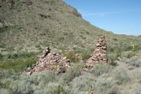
(50, 61)
(100, 53)
(89, 92)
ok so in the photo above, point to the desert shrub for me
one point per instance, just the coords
(7, 73)
(72, 56)
(137, 47)
(134, 61)
(121, 75)
(4, 91)
(20, 55)
(138, 90)
(24, 88)
(100, 69)
(18, 64)
(104, 83)
(83, 83)
(5, 82)
(28, 84)
(131, 54)
(129, 48)
(52, 88)
(61, 39)
(73, 72)
(114, 90)
(85, 54)
(112, 56)
(1, 56)
(40, 79)
(116, 51)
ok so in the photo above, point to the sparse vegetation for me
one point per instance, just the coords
(31, 25)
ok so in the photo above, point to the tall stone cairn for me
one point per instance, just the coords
(49, 60)
(100, 53)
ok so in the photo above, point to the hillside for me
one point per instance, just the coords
(28, 26)
(31, 25)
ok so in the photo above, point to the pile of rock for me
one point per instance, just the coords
(89, 92)
(100, 53)
(50, 61)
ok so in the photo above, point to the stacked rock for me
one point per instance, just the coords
(50, 61)
(100, 53)
(89, 92)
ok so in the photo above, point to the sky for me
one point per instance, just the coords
(117, 16)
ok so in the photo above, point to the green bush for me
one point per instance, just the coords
(73, 72)
(18, 64)
(4, 91)
(83, 83)
(129, 48)
(131, 54)
(104, 83)
(138, 90)
(100, 69)
(1, 56)
(137, 47)
(114, 90)
(20, 55)
(121, 75)
(85, 54)
(134, 61)
(72, 56)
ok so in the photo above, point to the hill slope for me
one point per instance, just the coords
(30, 25)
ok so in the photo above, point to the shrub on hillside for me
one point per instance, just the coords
(114, 90)
(20, 55)
(83, 83)
(100, 69)
(28, 84)
(131, 54)
(134, 61)
(121, 75)
(104, 83)
(4, 91)
(138, 90)
(18, 64)
(73, 72)
(85, 55)
(72, 55)
(137, 47)
(53, 88)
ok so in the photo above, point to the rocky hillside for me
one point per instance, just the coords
(31, 25)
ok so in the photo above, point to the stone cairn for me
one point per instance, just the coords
(100, 53)
(49, 61)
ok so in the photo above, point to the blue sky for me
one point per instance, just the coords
(118, 16)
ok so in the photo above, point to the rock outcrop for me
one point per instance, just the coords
(100, 53)
(50, 61)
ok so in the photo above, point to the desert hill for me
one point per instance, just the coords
(29, 26)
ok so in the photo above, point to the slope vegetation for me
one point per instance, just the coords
(31, 25)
